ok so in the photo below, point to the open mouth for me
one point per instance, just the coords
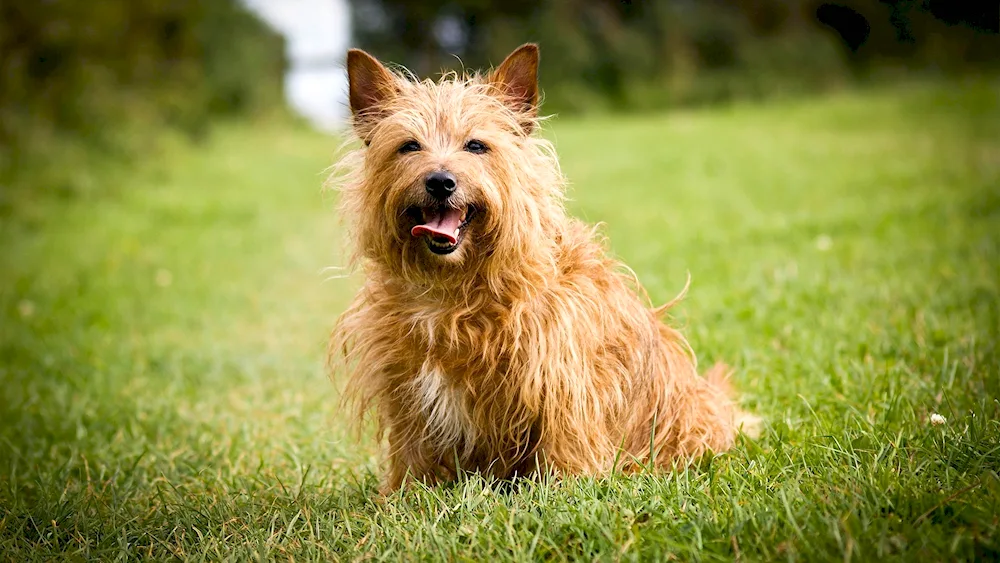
(442, 227)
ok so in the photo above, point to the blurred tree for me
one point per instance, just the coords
(942, 36)
(665, 52)
(97, 72)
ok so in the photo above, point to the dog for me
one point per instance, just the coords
(492, 332)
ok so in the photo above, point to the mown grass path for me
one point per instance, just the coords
(162, 391)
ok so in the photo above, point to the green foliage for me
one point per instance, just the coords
(83, 77)
(611, 55)
(162, 391)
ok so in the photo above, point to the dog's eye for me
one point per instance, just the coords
(476, 146)
(409, 146)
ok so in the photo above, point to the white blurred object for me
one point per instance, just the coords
(318, 33)
(937, 420)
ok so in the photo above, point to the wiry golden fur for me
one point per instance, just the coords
(525, 348)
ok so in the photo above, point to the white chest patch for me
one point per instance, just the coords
(444, 408)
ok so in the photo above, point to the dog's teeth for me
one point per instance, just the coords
(456, 232)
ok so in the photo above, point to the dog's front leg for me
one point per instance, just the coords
(575, 437)
(410, 461)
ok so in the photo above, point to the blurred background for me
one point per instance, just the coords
(105, 76)
(826, 173)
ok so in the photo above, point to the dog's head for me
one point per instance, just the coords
(450, 177)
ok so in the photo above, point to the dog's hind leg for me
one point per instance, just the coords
(703, 417)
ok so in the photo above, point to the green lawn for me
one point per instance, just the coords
(162, 391)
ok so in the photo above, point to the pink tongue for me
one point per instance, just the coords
(440, 224)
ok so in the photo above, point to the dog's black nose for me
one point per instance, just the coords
(440, 184)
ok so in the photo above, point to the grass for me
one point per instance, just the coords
(162, 392)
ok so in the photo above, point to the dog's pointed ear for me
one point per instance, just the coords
(370, 86)
(517, 80)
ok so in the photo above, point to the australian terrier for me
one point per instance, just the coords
(492, 332)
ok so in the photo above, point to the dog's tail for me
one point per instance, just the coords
(659, 311)
(718, 376)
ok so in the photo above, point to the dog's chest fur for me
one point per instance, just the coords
(480, 429)
(445, 408)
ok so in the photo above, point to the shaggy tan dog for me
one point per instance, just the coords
(493, 333)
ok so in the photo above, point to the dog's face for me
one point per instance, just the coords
(450, 173)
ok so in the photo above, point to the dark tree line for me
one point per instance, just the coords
(667, 52)
(98, 72)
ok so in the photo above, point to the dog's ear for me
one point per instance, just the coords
(517, 80)
(370, 85)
